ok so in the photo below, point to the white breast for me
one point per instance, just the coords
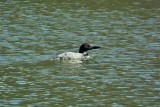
(73, 56)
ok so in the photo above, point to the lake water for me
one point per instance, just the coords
(125, 72)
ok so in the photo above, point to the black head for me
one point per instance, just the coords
(85, 47)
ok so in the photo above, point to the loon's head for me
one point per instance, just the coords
(85, 47)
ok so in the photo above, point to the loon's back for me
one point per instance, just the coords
(73, 56)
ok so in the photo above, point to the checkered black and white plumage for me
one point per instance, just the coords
(73, 56)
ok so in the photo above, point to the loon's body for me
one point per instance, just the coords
(73, 56)
(82, 55)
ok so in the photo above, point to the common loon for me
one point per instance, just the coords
(82, 55)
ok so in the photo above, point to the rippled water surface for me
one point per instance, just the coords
(125, 72)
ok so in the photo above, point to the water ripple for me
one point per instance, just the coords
(124, 72)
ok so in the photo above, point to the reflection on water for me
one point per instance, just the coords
(124, 72)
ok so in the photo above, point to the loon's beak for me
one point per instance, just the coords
(95, 47)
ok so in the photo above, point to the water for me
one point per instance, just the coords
(123, 73)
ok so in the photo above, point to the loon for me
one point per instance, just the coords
(82, 55)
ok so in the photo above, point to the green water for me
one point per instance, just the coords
(123, 73)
